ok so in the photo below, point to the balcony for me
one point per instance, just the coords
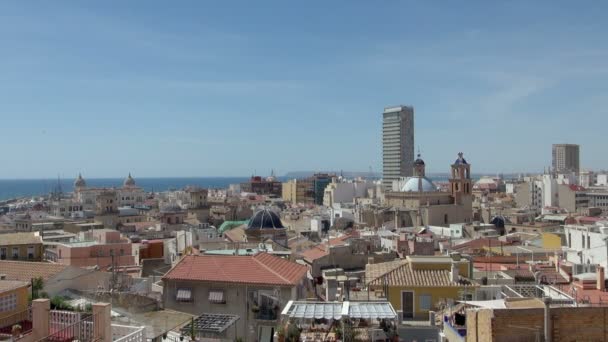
(266, 313)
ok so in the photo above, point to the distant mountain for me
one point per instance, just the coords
(347, 174)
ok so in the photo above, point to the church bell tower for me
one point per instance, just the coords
(460, 182)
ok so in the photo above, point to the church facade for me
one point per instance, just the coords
(419, 203)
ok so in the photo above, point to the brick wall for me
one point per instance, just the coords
(522, 325)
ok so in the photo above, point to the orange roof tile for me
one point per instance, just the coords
(313, 254)
(26, 270)
(406, 276)
(261, 269)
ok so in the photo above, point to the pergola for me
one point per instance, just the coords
(210, 325)
(305, 313)
(339, 310)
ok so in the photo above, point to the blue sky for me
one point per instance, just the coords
(219, 88)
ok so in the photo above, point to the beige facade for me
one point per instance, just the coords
(426, 206)
(298, 191)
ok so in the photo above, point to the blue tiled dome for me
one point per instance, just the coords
(265, 219)
(460, 160)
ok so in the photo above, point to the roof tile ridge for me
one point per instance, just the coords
(255, 257)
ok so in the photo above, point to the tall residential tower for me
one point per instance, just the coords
(397, 144)
(566, 158)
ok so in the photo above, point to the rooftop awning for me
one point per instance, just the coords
(216, 297)
(316, 310)
(369, 310)
(338, 310)
(184, 295)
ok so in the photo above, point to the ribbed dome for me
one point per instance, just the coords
(129, 181)
(265, 219)
(80, 182)
(411, 185)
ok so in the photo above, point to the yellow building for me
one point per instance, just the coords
(21, 246)
(421, 284)
(13, 297)
(553, 240)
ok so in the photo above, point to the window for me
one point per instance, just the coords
(217, 297)
(583, 240)
(122, 251)
(2, 253)
(425, 302)
(588, 241)
(30, 252)
(445, 219)
(8, 303)
(15, 252)
(183, 295)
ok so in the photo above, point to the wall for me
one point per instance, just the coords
(88, 256)
(339, 257)
(237, 303)
(438, 294)
(551, 241)
(22, 295)
(77, 279)
(568, 324)
(23, 255)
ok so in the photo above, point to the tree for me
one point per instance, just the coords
(37, 286)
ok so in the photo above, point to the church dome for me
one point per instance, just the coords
(411, 185)
(265, 219)
(129, 181)
(419, 161)
(80, 182)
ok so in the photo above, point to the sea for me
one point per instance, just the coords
(19, 188)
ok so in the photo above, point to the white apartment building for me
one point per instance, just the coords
(586, 245)
(339, 191)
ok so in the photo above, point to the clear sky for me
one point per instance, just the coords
(221, 88)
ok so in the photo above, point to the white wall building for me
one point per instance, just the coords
(602, 180)
(453, 231)
(341, 210)
(586, 245)
(339, 191)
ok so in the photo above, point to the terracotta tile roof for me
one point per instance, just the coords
(374, 271)
(260, 269)
(19, 239)
(26, 270)
(313, 254)
(406, 276)
(7, 285)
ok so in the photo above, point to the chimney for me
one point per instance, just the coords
(454, 272)
(601, 282)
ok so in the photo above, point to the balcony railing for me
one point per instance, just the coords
(22, 319)
(123, 333)
(83, 330)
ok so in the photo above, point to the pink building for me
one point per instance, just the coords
(98, 248)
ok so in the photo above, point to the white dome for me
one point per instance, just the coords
(411, 185)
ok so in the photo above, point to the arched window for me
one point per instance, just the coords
(445, 219)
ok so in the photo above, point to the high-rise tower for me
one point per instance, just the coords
(397, 144)
(566, 158)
